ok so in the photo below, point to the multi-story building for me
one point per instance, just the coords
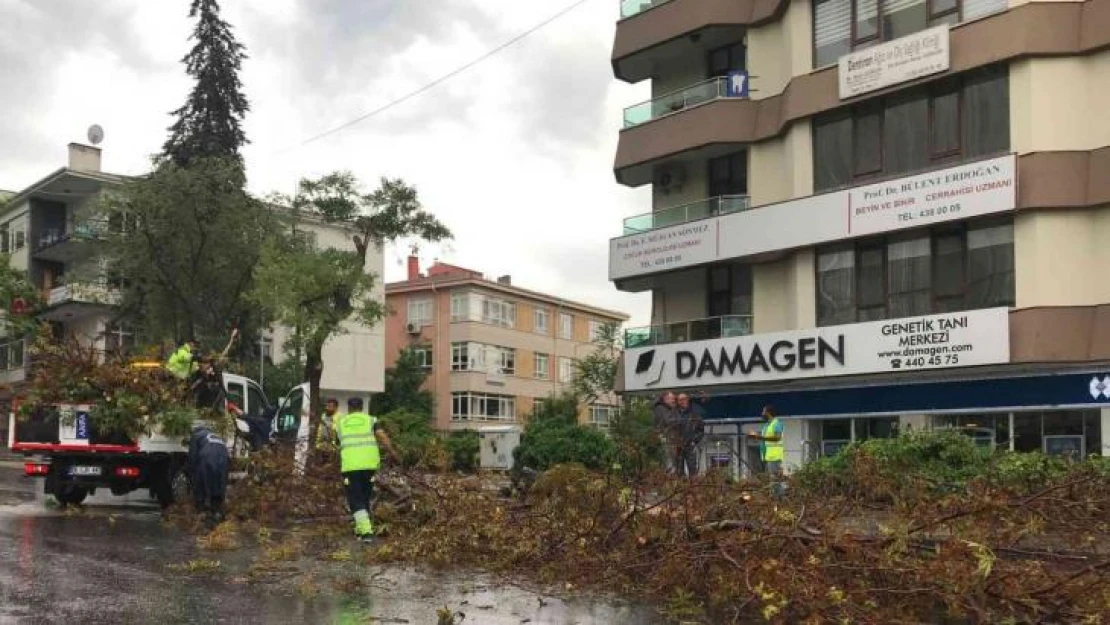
(492, 350)
(50, 229)
(873, 214)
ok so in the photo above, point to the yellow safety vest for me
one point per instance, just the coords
(772, 450)
(358, 447)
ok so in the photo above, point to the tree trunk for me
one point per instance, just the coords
(314, 372)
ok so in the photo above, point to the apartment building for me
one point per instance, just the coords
(492, 350)
(874, 215)
(51, 230)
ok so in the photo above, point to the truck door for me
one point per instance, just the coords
(287, 423)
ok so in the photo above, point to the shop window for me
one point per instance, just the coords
(880, 427)
(961, 119)
(835, 435)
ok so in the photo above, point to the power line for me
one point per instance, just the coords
(441, 79)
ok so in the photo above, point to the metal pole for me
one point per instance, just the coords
(262, 360)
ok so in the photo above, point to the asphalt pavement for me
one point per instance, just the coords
(106, 562)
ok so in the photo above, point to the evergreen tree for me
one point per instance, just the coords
(209, 123)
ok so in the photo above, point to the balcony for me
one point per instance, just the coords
(66, 245)
(635, 7)
(78, 300)
(651, 31)
(675, 101)
(693, 211)
(682, 331)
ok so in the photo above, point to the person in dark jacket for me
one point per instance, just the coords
(666, 423)
(691, 429)
(208, 466)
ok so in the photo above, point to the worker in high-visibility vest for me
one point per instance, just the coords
(771, 448)
(360, 438)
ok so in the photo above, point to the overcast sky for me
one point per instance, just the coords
(515, 155)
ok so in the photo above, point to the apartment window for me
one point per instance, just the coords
(482, 407)
(964, 267)
(118, 338)
(498, 312)
(541, 320)
(459, 306)
(479, 357)
(721, 61)
(566, 326)
(538, 404)
(423, 356)
(842, 26)
(595, 329)
(11, 355)
(421, 311)
(730, 290)
(19, 240)
(542, 366)
(728, 175)
(566, 370)
(504, 358)
(961, 119)
(460, 357)
(5, 239)
(602, 416)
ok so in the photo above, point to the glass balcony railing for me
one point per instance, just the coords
(86, 231)
(635, 7)
(674, 215)
(675, 101)
(683, 331)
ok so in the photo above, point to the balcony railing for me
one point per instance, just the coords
(694, 330)
(635, 7)
(675, 101)
(675, 215)
(87, 231)
(85, 293)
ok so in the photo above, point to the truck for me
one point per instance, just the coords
(62, 446)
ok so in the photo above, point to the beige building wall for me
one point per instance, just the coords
(1061, 257)
(1060, 103)
(780, 50)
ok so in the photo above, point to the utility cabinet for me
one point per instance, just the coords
(497, 444)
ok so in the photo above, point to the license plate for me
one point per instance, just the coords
(85, 471)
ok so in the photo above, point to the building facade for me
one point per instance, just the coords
(50, 229)
(874, 215)
(492, 350)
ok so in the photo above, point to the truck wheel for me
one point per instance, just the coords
(172, 487)
(71, 495)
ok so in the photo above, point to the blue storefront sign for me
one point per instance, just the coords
(1075, 390)
(82, 426)
(737, 84)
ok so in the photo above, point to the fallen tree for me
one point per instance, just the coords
(994, 550)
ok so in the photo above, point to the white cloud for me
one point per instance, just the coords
(514, 155)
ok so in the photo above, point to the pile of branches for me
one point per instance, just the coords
(723, 551)
(127, 400)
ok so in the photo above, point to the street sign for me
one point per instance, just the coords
(737, 84)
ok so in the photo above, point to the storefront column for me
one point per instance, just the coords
(1105, 431)
(793, 437)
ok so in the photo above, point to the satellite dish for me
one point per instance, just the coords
(96, 134)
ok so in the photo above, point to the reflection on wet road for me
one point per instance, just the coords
(106, 563)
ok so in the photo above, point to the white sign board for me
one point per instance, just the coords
(921, 54)
(959, 193)
(963, 339)
(665, 249)
(962, 192)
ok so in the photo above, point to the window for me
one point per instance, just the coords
(841, 26)
(482, 407)
(11, 355)
(537, 404)
(118, 338)
(728, 175)
(721, 61)
(963, 267)
(460, 360)
(602, 416)
(962, 119)
(459, 306)
(266, 349)
(20, 240)
(5, 239)
(541, 319)
(566, 326)
(595, 329)
(423, 355)
(504, 358)
(421, 311)
(730, 290)
(479, 357)
(566, 370)
(256, 401)
(498, 312)
(542, 366)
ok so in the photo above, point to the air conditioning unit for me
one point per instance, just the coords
(671, 178)
(413, 328)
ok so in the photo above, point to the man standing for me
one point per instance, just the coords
(325, 431)
(666, 424)
(691, 429)
(359, 437)
(771, 448)
(182, 363)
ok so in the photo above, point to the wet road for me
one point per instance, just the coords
(107, 563)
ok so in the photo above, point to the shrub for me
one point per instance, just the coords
(411, 433)
(462, 449)
(553, 436)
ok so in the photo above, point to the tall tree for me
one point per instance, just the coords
(595, 376)
(316, 291)
(209, 123)
(183, 243)
(404, 383)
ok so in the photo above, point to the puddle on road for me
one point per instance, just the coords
(107, 564)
